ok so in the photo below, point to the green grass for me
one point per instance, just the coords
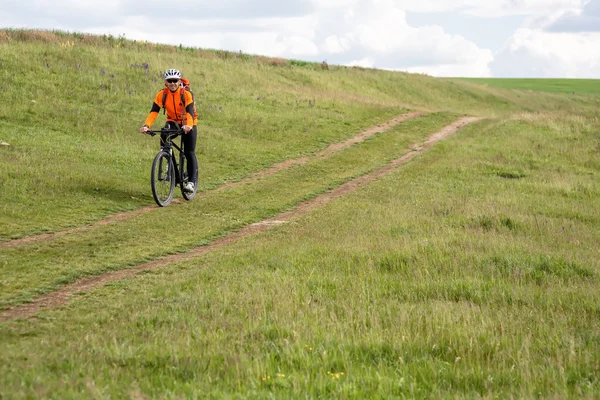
(442, 279)
(118, 246)
(471, 271)
(570, 86)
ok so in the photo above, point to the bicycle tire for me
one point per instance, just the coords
(162, 179)
(187, 195)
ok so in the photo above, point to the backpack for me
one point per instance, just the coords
(185, 86)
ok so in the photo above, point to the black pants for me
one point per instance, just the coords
(189, 149)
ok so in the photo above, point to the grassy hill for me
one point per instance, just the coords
(470, 271)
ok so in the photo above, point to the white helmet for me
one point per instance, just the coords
(172, 74)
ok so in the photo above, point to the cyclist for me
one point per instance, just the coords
(179, 110)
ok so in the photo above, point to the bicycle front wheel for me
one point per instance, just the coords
(162, 179)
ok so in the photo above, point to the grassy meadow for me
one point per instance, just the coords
(570, 86)
(471, 271)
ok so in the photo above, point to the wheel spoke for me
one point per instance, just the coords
(162, 179)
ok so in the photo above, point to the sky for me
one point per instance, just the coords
(459, 38)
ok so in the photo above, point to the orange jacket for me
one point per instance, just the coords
(176, 111)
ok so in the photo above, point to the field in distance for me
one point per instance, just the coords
(571, 86)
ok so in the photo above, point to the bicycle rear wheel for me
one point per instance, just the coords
(162, 179)
(187, 195)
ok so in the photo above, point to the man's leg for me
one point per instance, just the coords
(189, 147)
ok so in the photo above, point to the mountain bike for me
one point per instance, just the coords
(169, 170)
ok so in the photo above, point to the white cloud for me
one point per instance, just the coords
(365, 63)
(333, 4)
(369, 33)
(489, 8)
(335, 45)
(584, 20)
(480, 69)
(377, 35)
(300, 46)
(534, 53)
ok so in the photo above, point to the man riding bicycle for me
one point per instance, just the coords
(179, 106)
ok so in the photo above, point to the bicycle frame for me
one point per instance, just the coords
(167, 147)
(168, 170)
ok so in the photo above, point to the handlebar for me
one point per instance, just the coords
(171, 132)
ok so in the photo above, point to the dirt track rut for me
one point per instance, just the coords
(119, 217)
(61, 296)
